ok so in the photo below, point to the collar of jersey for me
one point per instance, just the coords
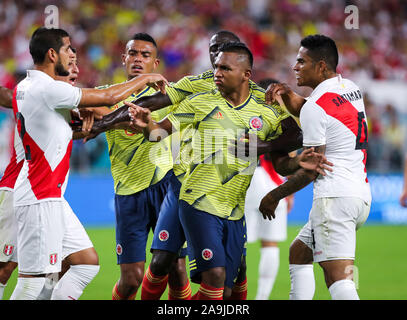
(142, 92)
(327, 83)
(37, 73)
(242, 105)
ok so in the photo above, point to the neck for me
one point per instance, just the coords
(237, 96)
(327, 75)
(47, 68)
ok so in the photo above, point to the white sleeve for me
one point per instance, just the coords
(313, 121)
(62, 95)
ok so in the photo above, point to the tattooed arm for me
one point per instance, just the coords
(299, 180)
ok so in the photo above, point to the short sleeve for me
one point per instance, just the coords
(61, 95)
(177, 92)
(183, 114)
(313, 121)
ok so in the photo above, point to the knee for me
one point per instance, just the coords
(300, 253)
(132, 277)
(214, 277)
(162, 262)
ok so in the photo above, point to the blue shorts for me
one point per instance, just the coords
(136, 214)
(212, 242)
(169, 234)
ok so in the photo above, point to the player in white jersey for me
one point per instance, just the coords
(48, 230)
(8, 224)
(333, 123)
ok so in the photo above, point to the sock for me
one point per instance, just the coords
(153, 286)
(116, 295)
(74, 281)
(207, 292)
(195, 296)
(268, 269)
(343, 290)
(47, 289)
(302, 281)
(180, 293)
(2, 287)
(27, 288)
(239, 291)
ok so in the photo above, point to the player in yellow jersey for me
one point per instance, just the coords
(141, 171)
(214, 187)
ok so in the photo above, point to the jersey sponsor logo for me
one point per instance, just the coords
(163, 235)
(8, 249)
(53, 258)
(207, 254)
(256, 123)
(119, 249)
(130, 134)
(218, 115)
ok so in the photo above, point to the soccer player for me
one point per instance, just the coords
(8, 225)
(213, 190)
(48, 230)
(333, 123)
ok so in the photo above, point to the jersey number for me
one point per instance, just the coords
(361, 138)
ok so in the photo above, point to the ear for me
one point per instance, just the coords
(52, 55)
(156, 63)
(248, 74)
(322, 67)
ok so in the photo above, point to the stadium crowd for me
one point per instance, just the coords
(182, 28)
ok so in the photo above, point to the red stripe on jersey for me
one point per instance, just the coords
(342, 110)
(268, 166)
(13, 168)
(11, 173)
(44, 182)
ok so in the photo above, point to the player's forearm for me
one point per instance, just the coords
(293, 102)
(6, 97)
(154, 102)
(113, 94)
(297, 181)
(284, 164)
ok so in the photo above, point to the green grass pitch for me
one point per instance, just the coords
(380, 261)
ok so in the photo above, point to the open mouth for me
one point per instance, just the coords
(136, 68)
(72, 80)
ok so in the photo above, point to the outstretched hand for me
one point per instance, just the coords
(275, 91)
(157, 81)
(311, 160)
(140, 117)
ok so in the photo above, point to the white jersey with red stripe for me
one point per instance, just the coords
(42, 109)
(334, 115)
(10, 175)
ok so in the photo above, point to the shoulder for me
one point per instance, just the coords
(201, 96)
(207, 75)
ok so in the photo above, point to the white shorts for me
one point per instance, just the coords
(331, 229)
(8, 227)
(258, 227)
(48, 232)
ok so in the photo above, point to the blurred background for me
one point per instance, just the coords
(374, 55)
